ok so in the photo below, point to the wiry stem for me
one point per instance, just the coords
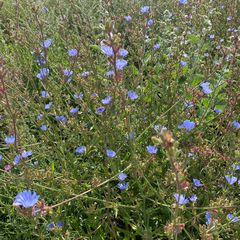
(84, 193)
(8, 105)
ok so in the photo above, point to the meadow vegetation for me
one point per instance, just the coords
(119, 119)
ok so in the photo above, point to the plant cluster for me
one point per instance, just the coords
(119, 119)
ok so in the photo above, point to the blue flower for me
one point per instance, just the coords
(208, 218)
(74, 110)
(44, 94)
(216, 110)
(40, 116)
(110, 153)
(132, 95)
(50, 226)
(183, 1)
(121, 63)
(106, 100)
(26, 199)
(40, 61)
(77, 96)
(110, 73)
(43, 128)
(233, 218)
(107, 50)
(122, 176)
(47, 43)
(132, 135)
(156, 46)
(150, 22)
(10, 140)
(197, 182)
(72, 52)
(45, 10)
(152, 149)
(188, 104)
(236, 124)
(85, 74)
(17, 159)
(67, 72)
(181, 198)
(61, 118)
(183, 63)
(193, 198)
(235, 167)
(100, 110)
(122, 52)
(205, 87)
(7, 167)
(60, 224)
(211, 36)
(1, 158)
(145, 9)
(128, 18)
(122, 185)
(42, 53)
(206, 55)
(80, 149)
(159, 128)
(231, 179)
(187, 124)
(48, 105)
(26, 154)
(43, 72)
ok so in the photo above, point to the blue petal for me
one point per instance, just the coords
(107, 50)
(120, 64)
(47, 43)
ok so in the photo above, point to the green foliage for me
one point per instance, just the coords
(81, 189)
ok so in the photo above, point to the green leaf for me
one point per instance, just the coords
(135, 71)
(205, 47)
(193, 38)
(197, 79)
(182, 79)
(185, 70)
(205, 102)
(147, 58)
(53, 166)
(93, 46)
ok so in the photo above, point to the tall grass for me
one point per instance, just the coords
(170, 120)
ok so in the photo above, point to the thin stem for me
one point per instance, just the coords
(12, 114)
(90, 190)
